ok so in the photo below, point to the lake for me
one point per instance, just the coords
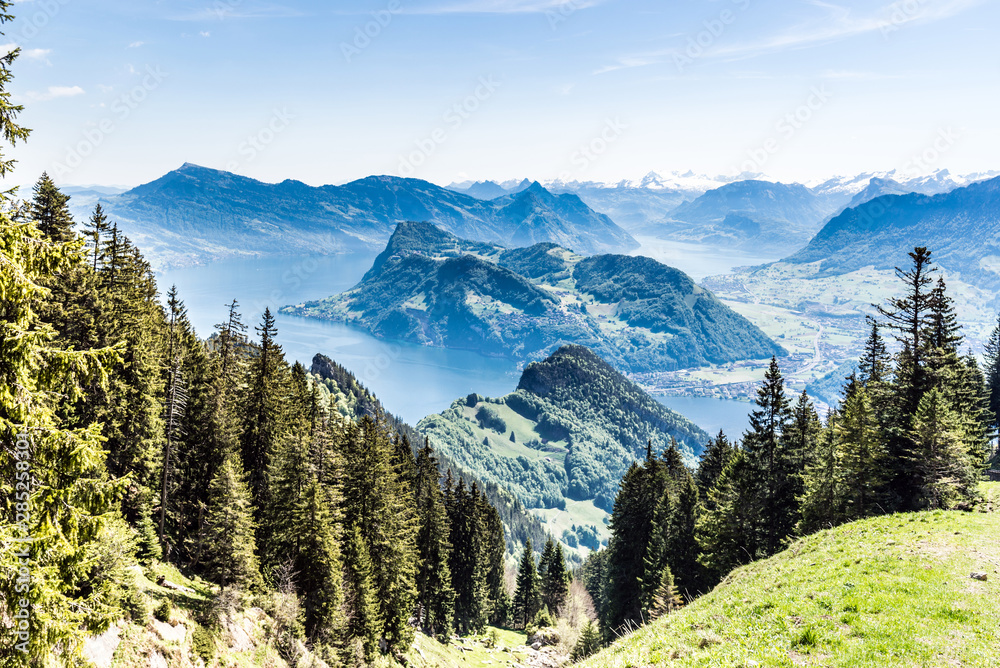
(411, 380)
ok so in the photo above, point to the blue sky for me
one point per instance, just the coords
(120, 92)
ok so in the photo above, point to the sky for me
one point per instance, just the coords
(120, 92)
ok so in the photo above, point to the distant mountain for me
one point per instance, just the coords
(563, 440)
(490, 189)
(746, 214)
(433, 288)
(961, 227)
(199, 213)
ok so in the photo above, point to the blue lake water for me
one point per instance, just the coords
(411, 380)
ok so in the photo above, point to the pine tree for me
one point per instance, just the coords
(230, 529)
(527, 597)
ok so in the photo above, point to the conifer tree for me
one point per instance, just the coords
(527, 597)
(264, 409)
(230, 529)
(823, 495)
(364, 621)
(774, 464)
(991, 371)
(96, 226)
(717, 453)
(861, 454)
(729, 535)
(554, 578)
(681, 539)
(939, 458)
(588, 643)
(435, 595)
(50, 211)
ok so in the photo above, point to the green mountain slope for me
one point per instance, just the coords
(562, 441)
(889, 591)
(431, 287)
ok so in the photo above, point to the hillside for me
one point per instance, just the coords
(889, 591)
(562, 440)
(432, 288)
(353, 401)
(747, 214)
(195, 213)
(962, 227)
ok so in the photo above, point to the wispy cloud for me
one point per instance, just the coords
(54, 92)
(239, 9)
(499, 6)
(38, 55)
(835, 23)
(135, 45)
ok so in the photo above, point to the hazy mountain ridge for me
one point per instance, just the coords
(636, 313)
(566, 435)
(962, 227)
(201, 213)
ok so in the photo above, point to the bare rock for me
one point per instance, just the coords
(978, 576)
(100, 650)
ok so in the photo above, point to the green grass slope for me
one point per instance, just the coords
(888, 591)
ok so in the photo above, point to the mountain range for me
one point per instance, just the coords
(194, 213)
(561, 442)
(961, 227)
(429, 286)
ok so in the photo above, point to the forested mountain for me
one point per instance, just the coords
(963, 227)
(747, 214)
(430, 287)
(563, 439)
(196, 212)
(354, 401)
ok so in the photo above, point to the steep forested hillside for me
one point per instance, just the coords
(563, 439)
(199, 213)
(433, 288)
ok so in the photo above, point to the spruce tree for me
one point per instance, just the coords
(775, 466)
(717, 453)
(681, 537)
(588, 643)
(50, 211)
(527, 597)
(991, 370)
(554, 580)
(861, 454)
(96, 226)
(364, 620)
(729, 535)
(435, 595)
(230, 530)
(943, 474)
